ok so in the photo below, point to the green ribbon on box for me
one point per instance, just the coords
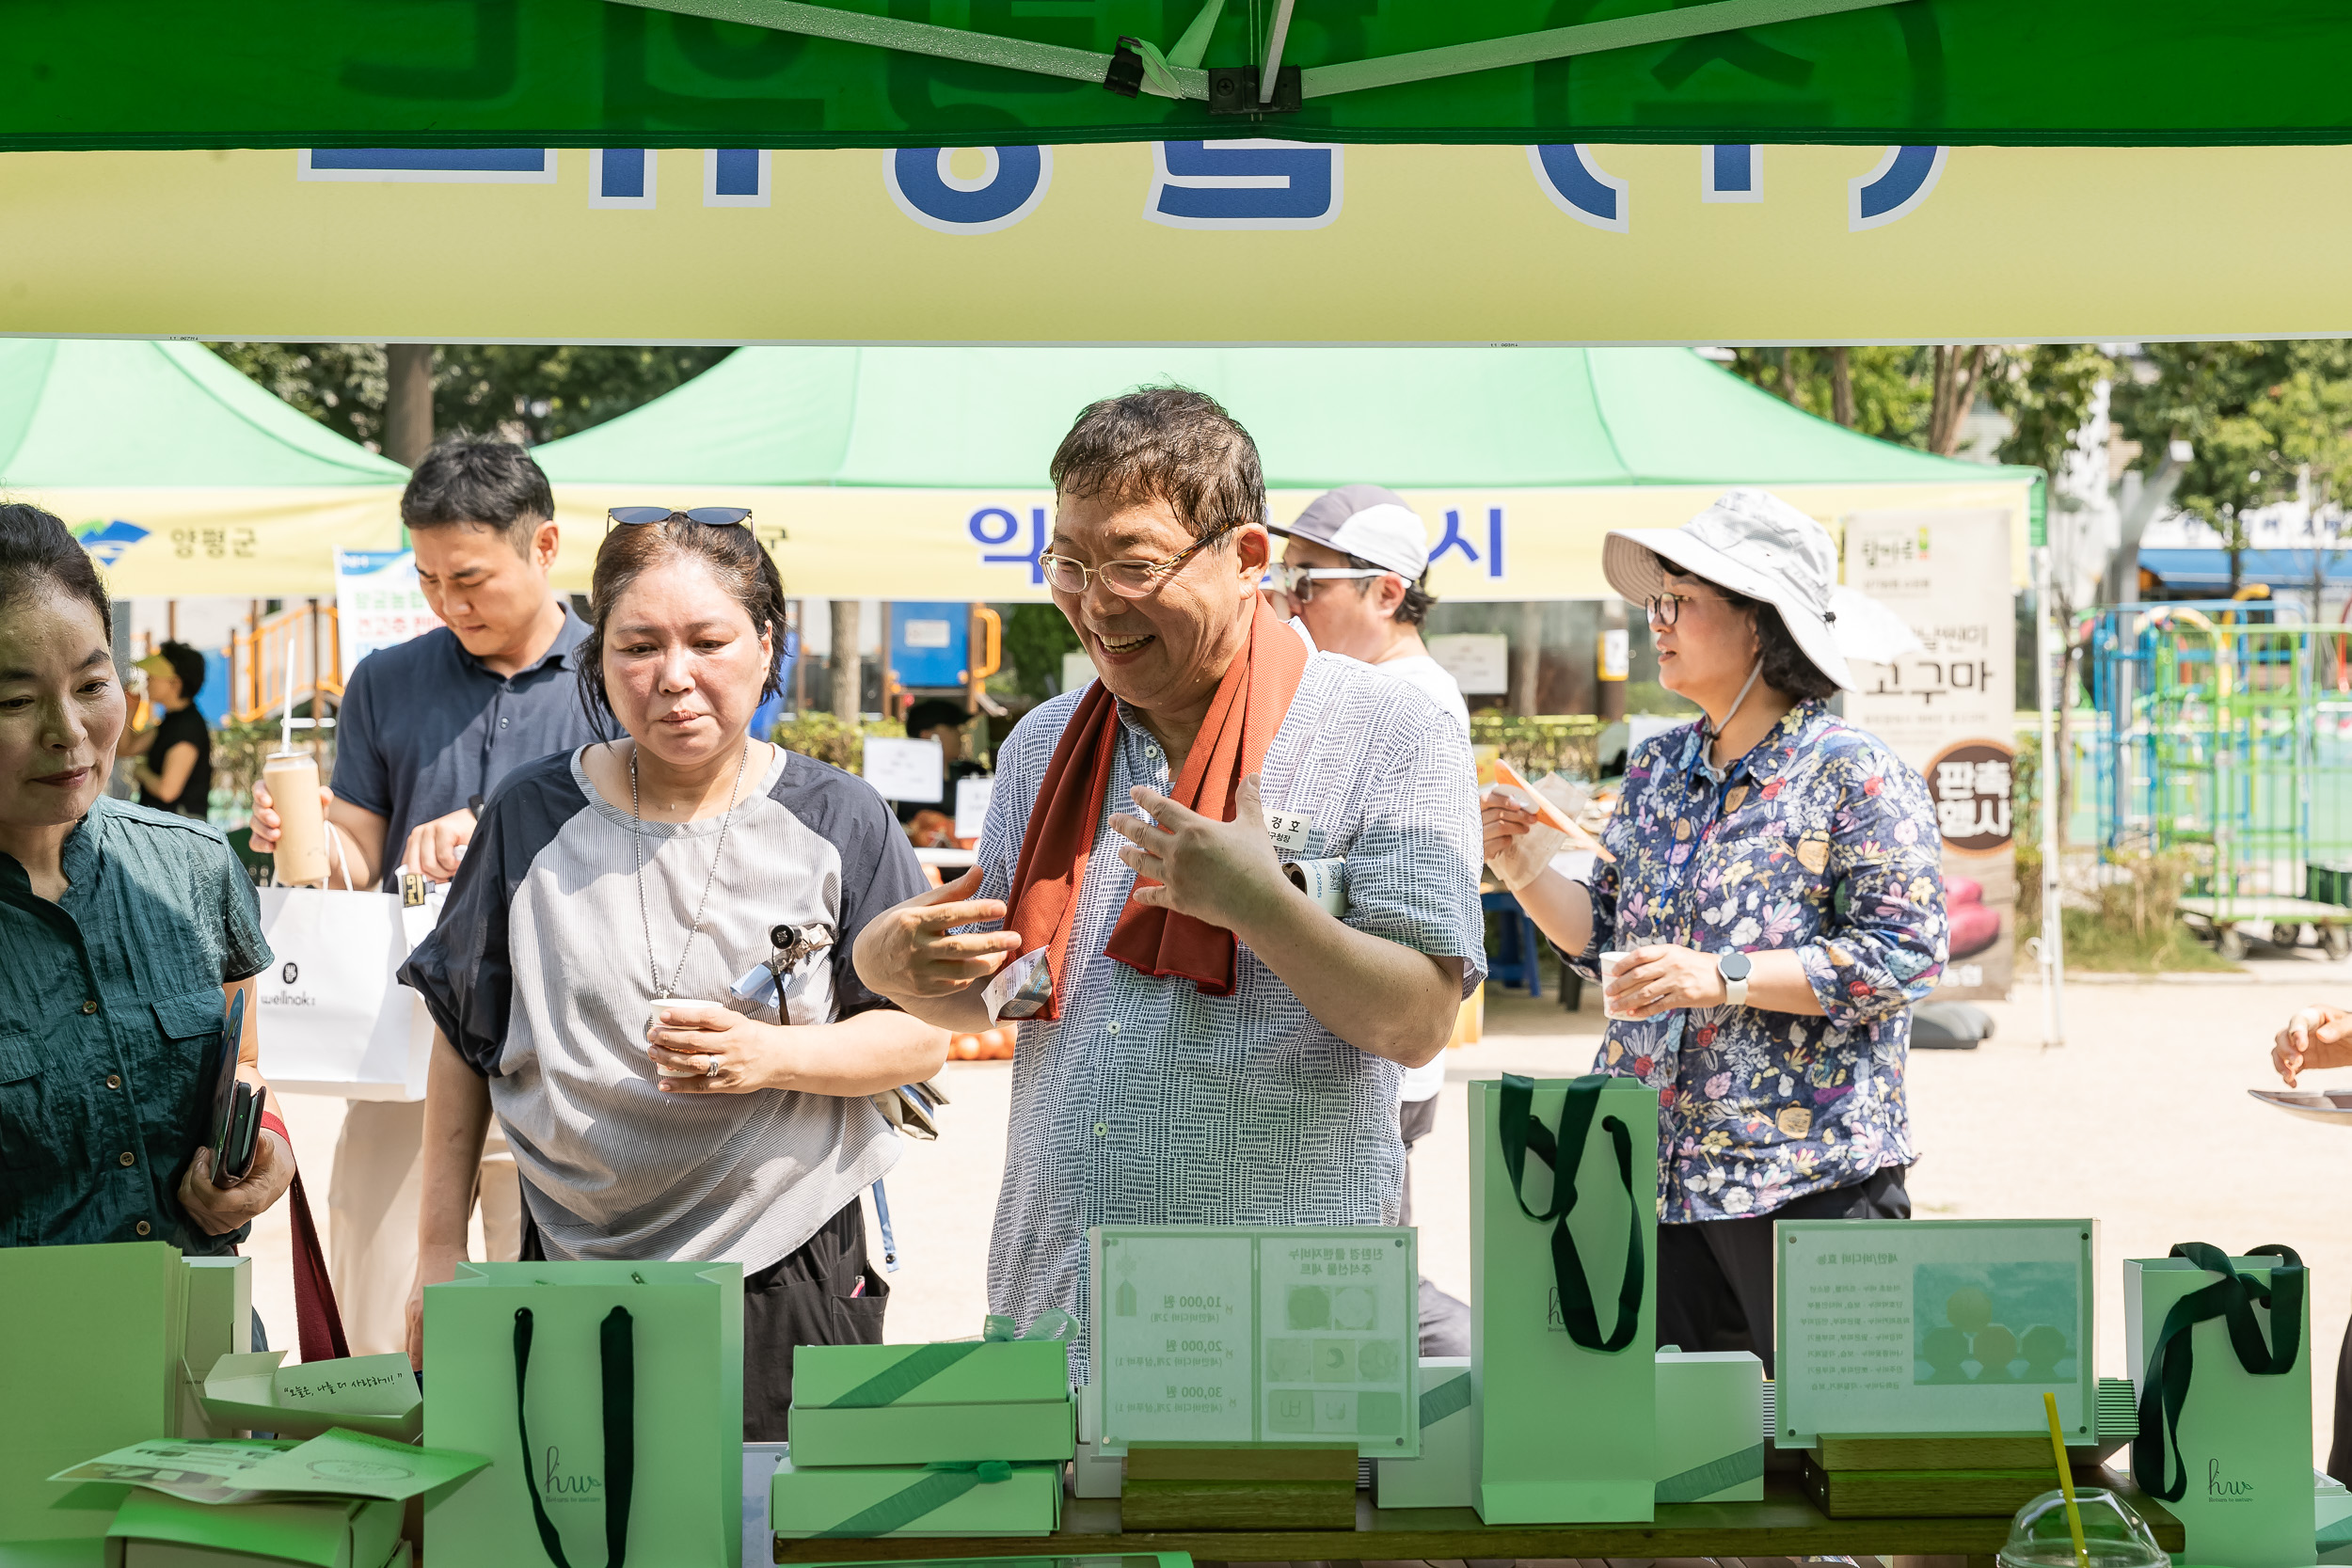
(941, 1486)
(911, 1371)
(1705, 1481)
(1447, 1398)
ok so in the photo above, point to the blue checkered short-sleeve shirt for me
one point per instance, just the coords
(1149, 1103)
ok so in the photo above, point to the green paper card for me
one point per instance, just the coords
(1933, 1327)
(935, 1434)
(242, 1392)
(1219, 1336)
(234, 1470)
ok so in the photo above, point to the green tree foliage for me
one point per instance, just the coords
(2046, 390)
(2263, 419)
(1036, 637)
(525, 392)
(1893, 388)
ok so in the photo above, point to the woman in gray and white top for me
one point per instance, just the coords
(642, 878)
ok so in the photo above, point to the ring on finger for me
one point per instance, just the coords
(709, 1065)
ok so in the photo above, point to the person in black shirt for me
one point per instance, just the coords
(174, 766)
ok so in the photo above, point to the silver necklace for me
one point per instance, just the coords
(637, 841)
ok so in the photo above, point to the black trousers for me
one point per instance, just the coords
(825, 1293)
(1715, 1277)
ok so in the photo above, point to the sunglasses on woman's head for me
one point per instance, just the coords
(709, 516)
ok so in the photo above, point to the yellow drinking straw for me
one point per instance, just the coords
(2066, 1481)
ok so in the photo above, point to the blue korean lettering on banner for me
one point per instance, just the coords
(1454, 539)
(1578, 187)
(1896, 187)
(442, 160)
(1731, 173)
(1249, 183)
(621, 174)
(994, 528)
(1011, 182)
(734, 172)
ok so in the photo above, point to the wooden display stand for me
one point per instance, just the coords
(1784, 1524)
(1239, 1489)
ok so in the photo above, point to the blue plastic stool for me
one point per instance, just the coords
(1519, 958)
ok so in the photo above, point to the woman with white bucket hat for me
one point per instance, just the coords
(1772, 910)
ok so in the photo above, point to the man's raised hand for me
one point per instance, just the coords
(1224, 873)
(910, 949)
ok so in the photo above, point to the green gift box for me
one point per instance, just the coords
(858, 1503)
(956, 1401)
(1711, 1427)
(125, 1305)
(2225, 1446)
(647, 1353)
(960, 1371)
(1562, 1338)
(1443, 1476)
(155, 1530)
(933, 1434)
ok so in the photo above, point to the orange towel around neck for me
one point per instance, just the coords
(1247, 709)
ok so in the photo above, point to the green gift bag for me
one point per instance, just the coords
(609, 1399)
(1562, 1335)
(111, 1381)
(2219, 1360)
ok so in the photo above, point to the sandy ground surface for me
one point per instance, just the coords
(2141, 1121)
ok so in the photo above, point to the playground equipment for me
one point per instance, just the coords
(2227, 734)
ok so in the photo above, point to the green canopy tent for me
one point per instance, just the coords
(774, 73)
(181, 476)
(920, 472)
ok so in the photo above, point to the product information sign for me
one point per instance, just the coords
(1929, 1327)
(1949, 710)
(377, 603)
(1223, 1335)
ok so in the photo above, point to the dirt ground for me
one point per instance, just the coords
(2141, 1122)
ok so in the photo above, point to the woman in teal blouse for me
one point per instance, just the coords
(123, 932)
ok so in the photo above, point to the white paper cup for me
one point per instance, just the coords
(1608, 962)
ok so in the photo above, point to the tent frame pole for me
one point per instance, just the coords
(2052, 943)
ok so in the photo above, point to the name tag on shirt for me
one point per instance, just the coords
(1289, 830)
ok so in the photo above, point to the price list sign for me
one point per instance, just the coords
(1225, 1336)
(1933, 1327)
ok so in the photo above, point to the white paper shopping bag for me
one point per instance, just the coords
(334, 1021)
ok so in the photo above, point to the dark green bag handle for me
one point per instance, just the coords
(618, 1353)
(2163, 1388)
(1524, 1131)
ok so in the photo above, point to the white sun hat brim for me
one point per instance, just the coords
(1755, 544)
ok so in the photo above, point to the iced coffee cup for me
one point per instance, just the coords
(292, 778)
(1608, 962)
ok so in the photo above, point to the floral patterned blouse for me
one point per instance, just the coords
(1819, 840)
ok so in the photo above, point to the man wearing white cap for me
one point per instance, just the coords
(1774, 909)
(1353, 566)
(1353, 571)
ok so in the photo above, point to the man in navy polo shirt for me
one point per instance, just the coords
(426, 732)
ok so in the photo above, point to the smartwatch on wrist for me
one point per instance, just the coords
(1735, 969)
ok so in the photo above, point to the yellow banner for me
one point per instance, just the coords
(843, 543)
(1175, 242)
(242, 544)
